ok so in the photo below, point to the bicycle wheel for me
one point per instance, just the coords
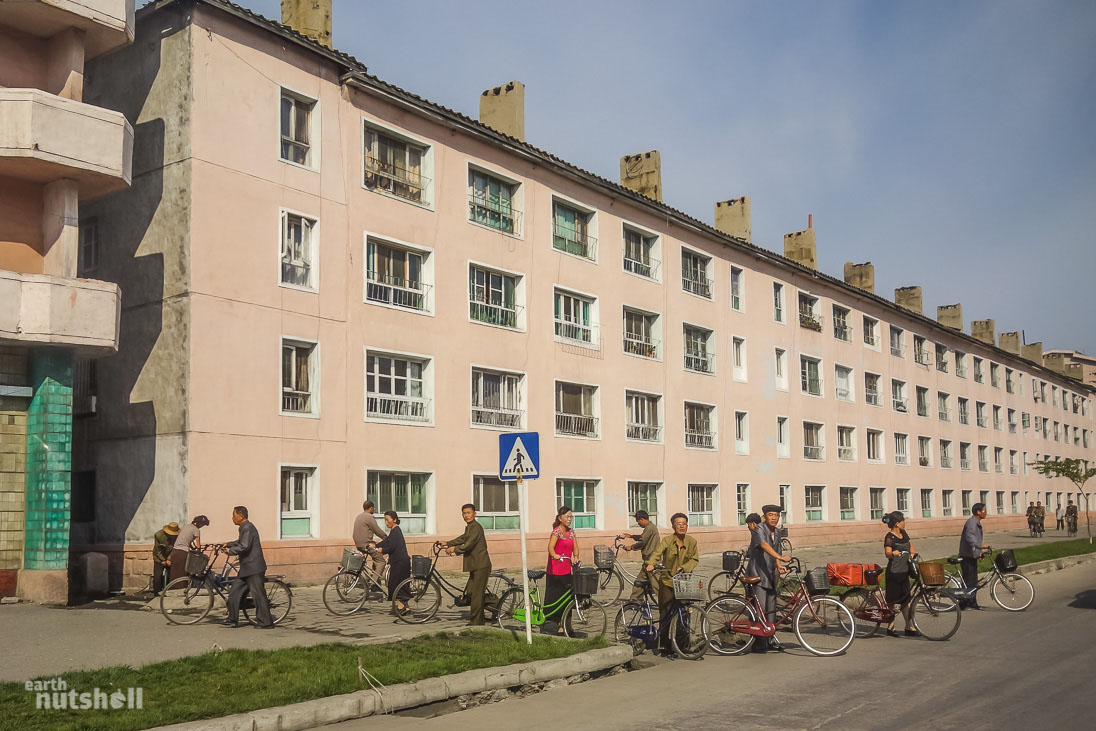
(1012, 592)
(278, 596)
(511, 611)
(785, 547)
(423, 600)
(186, 600)
(585, 618)
(824, 626)
(861, 600)
(686, 629)
(936, 613)
(343, 595)
(609, 586)
(631, 627)
(786, 589)
(723, 620)
(722, 584)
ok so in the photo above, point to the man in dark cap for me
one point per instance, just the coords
(764, 563)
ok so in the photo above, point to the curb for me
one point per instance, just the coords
(1055, 564)
(361, 704)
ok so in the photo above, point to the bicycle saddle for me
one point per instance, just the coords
(537, 574)
(955, 559)
(751, 580)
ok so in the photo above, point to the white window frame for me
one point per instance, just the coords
(696, 517)
(820, 441)
(482, 512)
(658, 515)
(878, 393)
(427, 385)
(742, 432)
(631, 427)
(314, 377)
(780, 368)
(426, 173)
(654, 346)
(313, 261)
(598, 497)
(315, 135)
(713, 423)
(901, 456)
(810, 507)
(850, 449)
(313, 496)
(709, 357)
(742, 496)
(924, 451)
(871, 328)
(517, 199)
(902, 499)
(428, 518)
(875, 513)
(784, 499)
(741, 287)
(522, 412)
(519, 296)
(880, 446)
(591, 227)
(821, 376)
(852, 492)
(739, 359)
(709, 273)
(427, 292)
(850, 395)
(654, 254)
(783, 446)
(562, 323)
(780, 304)
(845, 312)
(595, 401)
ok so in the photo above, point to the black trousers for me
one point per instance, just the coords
(969, 568)
(253, 585)
(477, 586)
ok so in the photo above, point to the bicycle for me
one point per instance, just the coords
(353, 584)
(188, 599)
(612, 576)
(1011, 590)
(1071, 526)
(822, 624)
(637, 624)
(424, 589)
(1035, 527)
(726, 581)
(935, 604)
(581, 615)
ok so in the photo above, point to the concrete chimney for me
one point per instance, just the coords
(1009, 342)
(643, 174)
(950, 316)
(909, 298)
(1032, 352)
(983, 330)
(733, 217)
(309, 17)
(503, 109)
(861, 276)
(1055, 362)
(800, 247)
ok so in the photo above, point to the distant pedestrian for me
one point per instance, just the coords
(970, 550)
(252, 572)
(898, 548)
(645, 542)
(472, 544)
(1040, 516)
(1071, 517)
(367, 530)
(678, 553)
(765, 562)
(399, 562)
(163, 542)
(562, 557)
(1060, 517)
(189, 539)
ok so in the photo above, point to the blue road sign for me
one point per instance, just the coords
(519, 454)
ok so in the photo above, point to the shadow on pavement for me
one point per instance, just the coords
(1084, 600)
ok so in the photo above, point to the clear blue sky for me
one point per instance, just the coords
(951, 144)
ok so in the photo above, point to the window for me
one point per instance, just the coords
(898, 395)
(843, 383)
(1012, 421)
(295, 519)
(1025, 421)
(960, 364)
(699, 349)
(497, 399)
(297, 129)
(966, 497)
(871, 331)
(926, 503)
(395, 276)
(942, 406)
(813, 441)
(738, 358)
(809, 316)
(782, 445)
(903, 500)
(945, 454)
(492, 202)
(841, 329)
(964, 411)
(980, 414)
(644, 422)
(995, 376)
(983, 458)
(696, 273)
(89, 246)
(1013, 468)
(780, 365)
(1015, 501)
(403, 492)
(575, 318)
(642, 331)
(396, 166)
(784, 492)
(643, 496)
(581, 497)
(901, 452)
(571, 231)
(1010, 385)
(946, 503)
(875, 445)
(576, 410)
(941, 358)
(699, 426)
(997, 418)
(878, 497)
(964, 455)
(809, 375)
(640, 250)
(871, 389)
(778, 302)
(998, 467)
(702, 504)
(742, 501)
(496, 502)
(738, 289)
(300, 377)
(297, 250)
(897, 342)
(846, 443)
(397, 388)
(924, 451)
(922, 401)
(741, 432)
(493, 297)
(1000, 502)
(920, 352)
(812, 502)
(979, 375)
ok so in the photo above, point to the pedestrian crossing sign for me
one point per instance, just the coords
(519, 454)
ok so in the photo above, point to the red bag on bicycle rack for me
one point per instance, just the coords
(851, 574)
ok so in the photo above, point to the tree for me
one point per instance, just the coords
(1076, 471)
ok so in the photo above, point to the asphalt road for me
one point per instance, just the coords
(1002, 670)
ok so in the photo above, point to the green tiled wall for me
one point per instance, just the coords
(49, 461)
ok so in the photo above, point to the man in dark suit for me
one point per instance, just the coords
(252, 572)
(472, 544)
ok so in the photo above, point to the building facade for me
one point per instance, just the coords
(336, 290)
(56, 152)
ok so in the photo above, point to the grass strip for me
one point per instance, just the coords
(237, 681)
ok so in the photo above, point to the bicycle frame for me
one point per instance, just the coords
(649, 605)
(982, 582)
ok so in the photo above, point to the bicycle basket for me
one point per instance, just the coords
(732, 560)
(603, 557)
(351, 560)
(1005, 560)
(781, 532)
(817, 581)
(690, 587)
(932, 574)
(196, 563)
(585, 582)
(421, 566)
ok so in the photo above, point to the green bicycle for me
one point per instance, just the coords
(581, 615)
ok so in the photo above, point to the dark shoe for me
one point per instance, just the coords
(266, 626)
(911, 633)
(477, 624)
(775, 646)
(229, 623)
(892, 632)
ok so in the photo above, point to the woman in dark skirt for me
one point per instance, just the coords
(898, 547)
(399, 562)
(562, 556)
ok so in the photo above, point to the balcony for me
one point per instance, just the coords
(298, 402)
(397, 408)
(997, 424)
(699, 362)
(921, 358)
(941, 365)
(846, 454)
(961, 372)
(900, 405)
(871, 397)
(842, 333)
(870, 339)
(700, 287)
(945, 462)
(813, 452)
(494, 314)
(576, 425)
(898, 351)
(901, 459)
(395, 179)
(843, 394)
(106, 25)
(494, 212)
(396, 291)
(45, 138)
(945, 415)
(964, 464)
(496, 416)
(573, 332)
(577, 243)
(983, 466)
(982, 421)
(642, 346)
(964, 417)
(644, 432)
(39, 309)
(810, 322)
(648, 269)
(701, 439)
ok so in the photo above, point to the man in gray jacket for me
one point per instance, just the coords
(970, 550)
(252, 572)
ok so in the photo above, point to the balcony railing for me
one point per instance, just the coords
(843, 394)
(997, 424)
(810, 322)
(576, 425)
(964, 417)
(395, 179)
(901, 459)
(494, 213)
(964, 464)
(497, 416)
(945, 462)
(397, 408)
(813, 452)
(396, 291)
(492, 314)
(898, 351)
(945, 415)
(982, 421)
(921, 358)
(296, 272)
(701, 439)
(296, 401)
(575, 332)
(647, 268)
(570, 241)
(846, 454)
(644, 432)
(869, 338)
(842, 332)
(961, 371)
(699, 362)
(871, 397)
(941, 365)
(641, 346)
(900, 405)
(699, 287)
(983, 466)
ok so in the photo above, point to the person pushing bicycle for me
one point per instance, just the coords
(766, 562)
(645, 542)
(678, 553)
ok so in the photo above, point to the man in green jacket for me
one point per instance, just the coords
(679, 554)
(645, 542)
(472, 544)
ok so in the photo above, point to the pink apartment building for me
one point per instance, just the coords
(334, 289)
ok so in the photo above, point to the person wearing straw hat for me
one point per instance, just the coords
(764, 563)
(189, 539)
(162, 544)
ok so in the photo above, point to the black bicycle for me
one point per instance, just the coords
(354, 584)
(423, 590)
(188, 599)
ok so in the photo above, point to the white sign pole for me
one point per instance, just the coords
(522, 520)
